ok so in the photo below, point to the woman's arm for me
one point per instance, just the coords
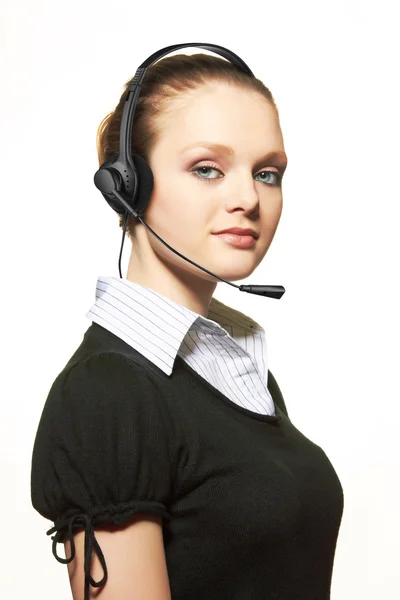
(135, 558)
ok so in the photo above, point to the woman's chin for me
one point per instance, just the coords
(235, 272)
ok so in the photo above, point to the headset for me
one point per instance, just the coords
(126, 180)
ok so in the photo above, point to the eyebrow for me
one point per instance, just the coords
(222, 149)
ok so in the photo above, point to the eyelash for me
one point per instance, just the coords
(278, 174)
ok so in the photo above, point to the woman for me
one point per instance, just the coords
(165, 452)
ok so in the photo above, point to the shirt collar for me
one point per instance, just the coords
(128, 305)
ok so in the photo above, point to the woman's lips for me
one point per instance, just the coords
(240, 241)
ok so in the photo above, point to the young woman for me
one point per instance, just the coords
(165, 455)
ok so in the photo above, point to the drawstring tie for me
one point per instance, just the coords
(91, 543)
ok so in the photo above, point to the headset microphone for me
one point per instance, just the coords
(126, 180)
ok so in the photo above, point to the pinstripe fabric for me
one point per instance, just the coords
(228, 349)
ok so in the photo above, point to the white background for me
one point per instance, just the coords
(333, 69)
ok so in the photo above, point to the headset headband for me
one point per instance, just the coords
(134, 89)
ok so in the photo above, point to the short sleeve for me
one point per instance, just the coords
(102, 452)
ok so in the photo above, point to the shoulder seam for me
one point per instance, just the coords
(83, 361)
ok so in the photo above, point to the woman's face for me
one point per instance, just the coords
(199, 190)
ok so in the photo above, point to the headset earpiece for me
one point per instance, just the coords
(135, 185)
(145, 183)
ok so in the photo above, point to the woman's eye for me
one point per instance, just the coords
(276, 174)
(202, 169)
(266, 173)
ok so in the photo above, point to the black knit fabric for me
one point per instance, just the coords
(251, 508)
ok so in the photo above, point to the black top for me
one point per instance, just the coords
(251, 508)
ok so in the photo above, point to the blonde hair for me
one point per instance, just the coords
(166, 80)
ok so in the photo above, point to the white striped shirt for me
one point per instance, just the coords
(228, 349)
